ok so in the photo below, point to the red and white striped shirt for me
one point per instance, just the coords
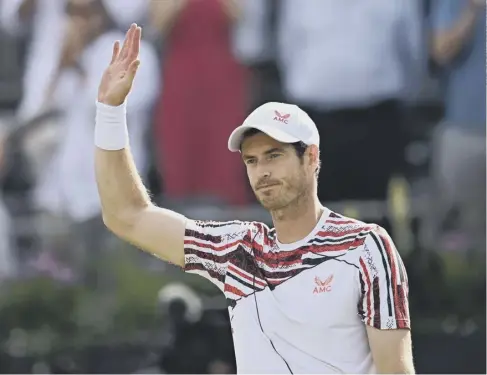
(302, 307)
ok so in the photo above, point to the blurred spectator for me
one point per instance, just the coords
(255, 44)
(126, 12)
(352, 65)
(203, 100)
(67, 192)
(7, 264)
(42, 22)
(458, 48)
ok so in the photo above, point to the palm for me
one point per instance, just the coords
(118, 77)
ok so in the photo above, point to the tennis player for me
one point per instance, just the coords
(319, 293)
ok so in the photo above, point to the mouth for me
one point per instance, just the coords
(266, 186)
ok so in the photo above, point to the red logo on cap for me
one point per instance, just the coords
(280, 117)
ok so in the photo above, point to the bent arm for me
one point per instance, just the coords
(447, 41)
(127, 209)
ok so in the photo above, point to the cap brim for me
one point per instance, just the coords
(236, 138)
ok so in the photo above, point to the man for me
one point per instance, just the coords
(67, 192)
(320, 293)
(44, 20)
(458, 49)
(353, 66)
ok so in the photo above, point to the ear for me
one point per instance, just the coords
(313, 156)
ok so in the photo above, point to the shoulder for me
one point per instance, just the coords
(234, 229)
(343, 226)
(339, 234)
(381, 258)
(369, 238)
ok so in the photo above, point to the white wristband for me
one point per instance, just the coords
(111, 131)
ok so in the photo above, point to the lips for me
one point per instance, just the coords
(266, 186)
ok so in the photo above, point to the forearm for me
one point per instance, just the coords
(447, 44)
(120, 187)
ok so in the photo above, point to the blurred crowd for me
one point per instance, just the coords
(396, 88)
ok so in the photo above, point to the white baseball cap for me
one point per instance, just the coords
(285, 123)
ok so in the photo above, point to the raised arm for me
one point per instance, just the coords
(449, 35)
(126, 205)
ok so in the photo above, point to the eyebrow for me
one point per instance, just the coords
(270, 151)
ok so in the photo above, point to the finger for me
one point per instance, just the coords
(135, 47)
(133, 50)
(116, 50)
(132, 70)
(127, 42)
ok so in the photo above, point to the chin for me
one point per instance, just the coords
(272, 204)
(271, 201)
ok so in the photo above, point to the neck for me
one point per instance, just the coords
(297, 220)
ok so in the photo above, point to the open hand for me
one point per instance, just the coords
(117, 79)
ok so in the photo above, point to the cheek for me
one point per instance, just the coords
(251, 176)
(295, 178)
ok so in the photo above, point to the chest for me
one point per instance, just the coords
(324, 296)
(312, 310)
(299, 291)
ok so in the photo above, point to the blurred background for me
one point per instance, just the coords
(396, 88)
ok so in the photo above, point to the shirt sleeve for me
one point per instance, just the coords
(384, 290)
(208, 246)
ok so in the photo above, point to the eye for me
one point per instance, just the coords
(250, 161)
(274, 155)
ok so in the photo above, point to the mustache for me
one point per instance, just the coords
(265, 182)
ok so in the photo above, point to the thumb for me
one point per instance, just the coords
(132, 71)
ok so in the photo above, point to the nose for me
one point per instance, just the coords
(263, 174)
(262, 178)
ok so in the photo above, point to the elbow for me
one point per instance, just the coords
(121, 223)
(115, 225)
(441, 56)
(110, 222)
(442, 51)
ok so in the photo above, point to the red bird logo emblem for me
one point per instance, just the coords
(281, 117)
(323, 286)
